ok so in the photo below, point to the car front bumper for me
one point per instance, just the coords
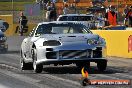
(57, 56)
(3, 46)
(70, 61)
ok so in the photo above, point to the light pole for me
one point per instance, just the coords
(12, 5)
(117, 11)
(12, 9)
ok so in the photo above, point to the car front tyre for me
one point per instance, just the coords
(25, 66)
(37, 67)
(102, 66)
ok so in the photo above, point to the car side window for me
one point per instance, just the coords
(67, 30)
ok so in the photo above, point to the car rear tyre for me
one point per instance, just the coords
(102, 65)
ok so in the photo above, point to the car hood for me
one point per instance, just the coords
(69, 37)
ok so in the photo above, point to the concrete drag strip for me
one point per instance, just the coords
(23, 78)
(15, 66)
(3, 86)
(31, 79)
(60, 79)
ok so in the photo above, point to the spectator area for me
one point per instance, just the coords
(86, 3)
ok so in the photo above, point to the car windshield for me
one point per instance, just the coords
(76, 18)
(69, 28)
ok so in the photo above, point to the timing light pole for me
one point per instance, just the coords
(12, 12)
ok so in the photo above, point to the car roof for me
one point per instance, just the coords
(60, 22)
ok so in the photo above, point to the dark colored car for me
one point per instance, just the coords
(3, 44)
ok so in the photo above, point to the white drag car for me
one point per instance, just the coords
(62, 43)
(89, 20)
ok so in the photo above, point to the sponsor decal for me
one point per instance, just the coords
(85, 81)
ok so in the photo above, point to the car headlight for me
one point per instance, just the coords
(94, 42)
(3, 38)
(51, 43)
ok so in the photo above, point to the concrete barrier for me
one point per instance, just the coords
(118, 42)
